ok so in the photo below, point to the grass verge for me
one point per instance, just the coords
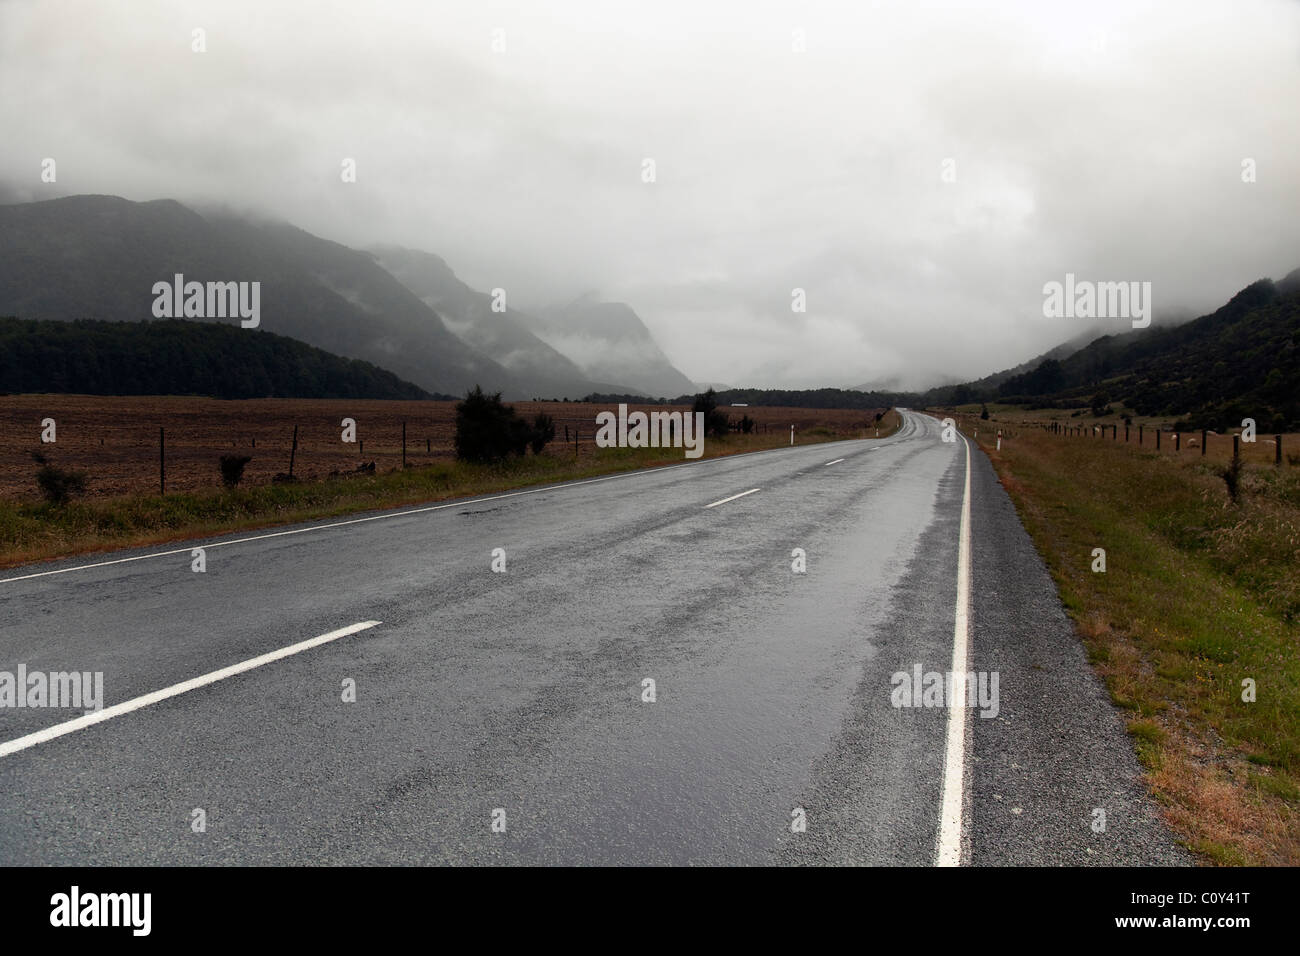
(1200, 595)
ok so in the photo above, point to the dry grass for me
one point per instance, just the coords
(197, 505)
(1200, 593)
(115, 439)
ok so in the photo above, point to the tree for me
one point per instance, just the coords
(984, 415)
(715, 422)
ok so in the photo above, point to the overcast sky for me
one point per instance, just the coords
(1103, 139)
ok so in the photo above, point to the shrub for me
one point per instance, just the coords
(57, 485)
(483, 432)
(715, 421)
(232, 469)
(488, 430)
(543, 432)
(520, 434)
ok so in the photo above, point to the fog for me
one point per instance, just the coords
(920, 170)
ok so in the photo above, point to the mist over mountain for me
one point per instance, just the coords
(99, 257)
(506, 337)
(920, 171)
(1240, 361)
(609, 342)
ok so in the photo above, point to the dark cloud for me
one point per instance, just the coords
(1104, 139)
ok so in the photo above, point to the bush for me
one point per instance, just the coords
(488, 430)
(57, 485)
(483, 431)
(543, 432)
(232, 469)
(715, 421)
(746, 424)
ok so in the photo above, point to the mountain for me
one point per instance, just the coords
(611, 344)
(953, 391)
(175, 357)
(536, 367)
(99, 256)
(1243, 360)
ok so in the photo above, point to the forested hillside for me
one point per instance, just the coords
(175, 357)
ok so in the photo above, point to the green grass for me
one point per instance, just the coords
(1199, 594)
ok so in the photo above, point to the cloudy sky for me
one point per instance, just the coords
(794, 144)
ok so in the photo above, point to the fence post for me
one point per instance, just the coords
(162, 468)
(293, 451)
(1126, 434)
(1178, 441)
(1157, 439)
(1205, 436)
(1277, 454)
(1236, 447)
(1140, 429)
(403, 444)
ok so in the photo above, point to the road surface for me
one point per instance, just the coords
(504, 717)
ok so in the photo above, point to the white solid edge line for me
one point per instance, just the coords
(835, 462)
(733, 497)
(954, 761)
(387, 515)
(136, 703)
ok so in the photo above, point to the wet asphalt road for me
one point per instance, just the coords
(518, 696)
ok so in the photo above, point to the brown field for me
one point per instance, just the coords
(115, 440)
(1185, 445)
